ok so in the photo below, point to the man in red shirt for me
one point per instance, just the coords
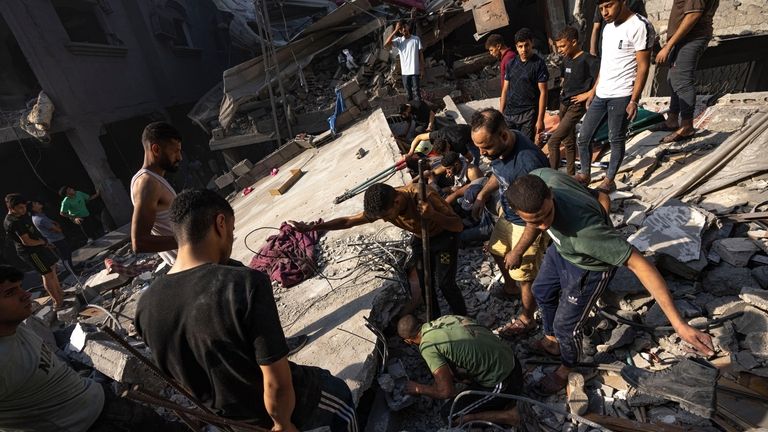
(498, 48)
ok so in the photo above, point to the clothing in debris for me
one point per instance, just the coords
(288, 257)
(162, 224)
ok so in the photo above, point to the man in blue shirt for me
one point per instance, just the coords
(513, 155)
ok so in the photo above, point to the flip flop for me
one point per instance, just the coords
(662, 127)
(515, 329)
(676, 137)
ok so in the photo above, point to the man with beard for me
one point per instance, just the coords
(152, 195)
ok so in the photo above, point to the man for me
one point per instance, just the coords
(31, 246)
(39, 392)
(627, 41)
(512, 155)
(152, 195)
(498, 48)
(401, 207)
(524, 92)
(637, 6)
(582, 260)
(52, 232)
(420, 117)
(459, 170)
(212, 324)
(579, 76)
(411, 58)
(458, 349)
(450, 138)
(689, 31)
(74, 207)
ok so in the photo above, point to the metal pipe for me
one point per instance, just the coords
(264, 55)
(273, 57)
(426, 264)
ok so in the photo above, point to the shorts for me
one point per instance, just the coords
(39, 258)
(505, 236)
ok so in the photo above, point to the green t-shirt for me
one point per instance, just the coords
(582, 232)
(463, 344)
(76, 206)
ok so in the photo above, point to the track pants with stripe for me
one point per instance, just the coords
(336, 408)
(511, 385)
(566, 294)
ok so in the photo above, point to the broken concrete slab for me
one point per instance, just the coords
(690, 270)
(757, 297)
(656, 317)
(634, 212)
(719, 305)
(103, 281)
(760, 274)
(735, 251)
(673, 229)
(751, 321)
(452, 112)
(745, 359)
(115, 362)
(727, 280)
(757, 344)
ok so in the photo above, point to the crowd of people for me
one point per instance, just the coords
(212, 323)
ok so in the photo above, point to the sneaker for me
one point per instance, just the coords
(578, 402)
(691, 383)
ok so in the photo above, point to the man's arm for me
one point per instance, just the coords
(643, 65)
(442, 389)
(453, 196)
(339, 223)
(491, 186)
(391, 36)
(438, 211)
(431, 125)
(422, 65)
(503, 97)
(652, 280)
(514, 257)
(94, 196)
(26, 240)
(419, 138)
(689, 21)
(146, 195)
(279, 398)
(542, 110)
(594, 38)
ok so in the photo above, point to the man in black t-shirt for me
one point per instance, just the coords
(523, 98)
(212, 324)
(579, 76)
(31, 246)
(420, 115)
(457, 138)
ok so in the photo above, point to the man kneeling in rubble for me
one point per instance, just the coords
(40, 392)
(457, 349)
(212, 324)
(585, 253)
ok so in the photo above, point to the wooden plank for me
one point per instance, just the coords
(626, 425)
(295, 176)
(740, 217)
(754, 383)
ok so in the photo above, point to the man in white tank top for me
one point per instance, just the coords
(152, 195)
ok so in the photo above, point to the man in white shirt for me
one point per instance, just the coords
(626, 57)
(411, 58)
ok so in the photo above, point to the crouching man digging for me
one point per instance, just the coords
(577, 267)
(402, 208)
(457, 349)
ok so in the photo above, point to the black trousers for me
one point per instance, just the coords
(443, 254)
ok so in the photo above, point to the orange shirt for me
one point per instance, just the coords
(410, 219)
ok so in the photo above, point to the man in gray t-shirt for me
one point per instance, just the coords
(40, 392)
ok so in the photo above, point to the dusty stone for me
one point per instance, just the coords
(113, 361)
(46, 314)
(753, 320)
(103, 281)
(724, 337)
(625, 282)
(655, 316)
(755, 296)
(66, 314)
(621, 336)
(673, 229)
(757, 343)
(735, 251)
(727, 280)
(719, 305)
(635, 302)
(760, 274)
(745, 359)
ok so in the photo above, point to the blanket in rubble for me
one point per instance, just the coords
(289, 256)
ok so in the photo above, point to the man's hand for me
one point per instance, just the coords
(427, 175)
(477, 207)
(512, 260)
(425, 210)
(78, 220)
(539, 130)
(700, 340)
(302, 226)
(421, 74)
(663, 55)
(285, 428)
(582, 97)
(631, 110)
(411, 388)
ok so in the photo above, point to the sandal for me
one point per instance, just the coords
(514, 329)
(539, 348)
(549, 385)
(676, 137)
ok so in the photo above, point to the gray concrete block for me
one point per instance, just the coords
(727, 280)
(760, 274)
(225, 180)
(242, 168)
(115, 362)
(753, 320)
(757, 297)
(243, 181)
(103, 281)
(349, 88)
(757, 344)
(735, 251)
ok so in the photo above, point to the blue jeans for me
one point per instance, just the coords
(616, 110)
(412, 88)
(565, 295)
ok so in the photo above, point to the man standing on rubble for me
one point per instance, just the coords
(581, 262)
(152, 195)
(513, 155)
(40, 392)
(74, 206)
(626, 57)
(498, 48)
(457, 349)
(401, 207)
(212, 324)
(411, 58)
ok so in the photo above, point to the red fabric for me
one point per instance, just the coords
(506, 57)
(288, 257)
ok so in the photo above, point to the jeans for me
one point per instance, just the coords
(565, 134)
(443, 252)
(683, 65)
(412, 88)
(525, 122)
(616, 110)
(566, 294)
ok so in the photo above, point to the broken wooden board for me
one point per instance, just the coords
(742, 217)
(618, 424)
(295, 176)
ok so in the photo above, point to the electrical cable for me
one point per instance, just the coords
(31, 165)
(703, 326)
